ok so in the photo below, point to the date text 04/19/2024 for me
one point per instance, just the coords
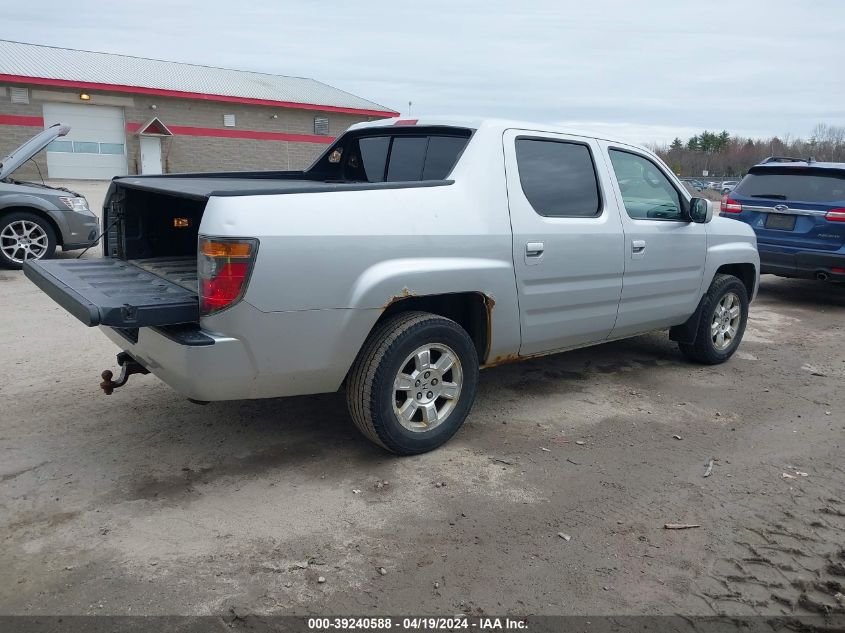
(418, 623)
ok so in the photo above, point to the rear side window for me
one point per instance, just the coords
(373, 156)
(558, 178)
(442, 154)
(804, 185)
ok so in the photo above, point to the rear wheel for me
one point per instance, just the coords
(413, 382)
(724, 314)
(25, 236)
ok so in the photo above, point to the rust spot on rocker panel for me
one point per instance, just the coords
(503, 359)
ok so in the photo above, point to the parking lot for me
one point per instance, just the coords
(551, 499)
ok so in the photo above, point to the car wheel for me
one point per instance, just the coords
(25, 236)
(724, 314)
(413, 383)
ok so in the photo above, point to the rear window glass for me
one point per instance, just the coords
(790, 184)
(558, 178)
(401, 156)
(407, 158)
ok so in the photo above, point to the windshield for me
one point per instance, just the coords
(801, 184)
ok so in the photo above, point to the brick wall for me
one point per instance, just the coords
(187, 152)
(11, 136)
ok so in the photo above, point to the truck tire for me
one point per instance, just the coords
(724, 314)
(25, 235)
(413, 383)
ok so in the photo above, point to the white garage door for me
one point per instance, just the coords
(95, 148)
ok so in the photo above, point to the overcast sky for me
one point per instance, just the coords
(646, 71)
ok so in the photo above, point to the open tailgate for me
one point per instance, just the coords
(111, 291)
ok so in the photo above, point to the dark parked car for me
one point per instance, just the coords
(797, 209)
(35, 218)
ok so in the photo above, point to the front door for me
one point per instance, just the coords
(664, 251)
(150, 155)
(567, 240)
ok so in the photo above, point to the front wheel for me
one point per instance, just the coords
(25, 236)
(724, 314)
(413, 383)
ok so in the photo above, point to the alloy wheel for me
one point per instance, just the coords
(21, 240)
(725, 323)
(427, 387)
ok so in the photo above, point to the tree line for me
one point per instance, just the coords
(723, 155)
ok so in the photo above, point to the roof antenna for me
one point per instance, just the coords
(410, 103)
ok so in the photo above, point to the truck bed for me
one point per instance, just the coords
(179, 270)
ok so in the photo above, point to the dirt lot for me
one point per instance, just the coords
(143, 503)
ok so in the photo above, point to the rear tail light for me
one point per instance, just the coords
(835, 215)
(729, 205)
(224, 269)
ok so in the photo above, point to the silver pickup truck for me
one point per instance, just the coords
(408, 256)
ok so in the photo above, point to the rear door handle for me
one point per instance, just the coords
(534, 249)
(637, 248)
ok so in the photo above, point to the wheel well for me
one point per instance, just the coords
(473, 311)
(744, 272)
(41, 214)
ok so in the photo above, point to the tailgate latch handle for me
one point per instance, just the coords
(128, 366)
(129, 312)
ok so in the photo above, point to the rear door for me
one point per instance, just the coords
(664, 252)
(567, 241)
(787, 208)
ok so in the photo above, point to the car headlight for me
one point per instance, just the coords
(76, 204)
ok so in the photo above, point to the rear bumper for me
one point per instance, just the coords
(802, 264)
(243, 353)
(221, 370)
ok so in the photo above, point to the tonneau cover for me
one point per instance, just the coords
(202, 188)
(111, 291)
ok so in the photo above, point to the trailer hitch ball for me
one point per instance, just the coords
(128, 366)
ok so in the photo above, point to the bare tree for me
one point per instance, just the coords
(723, 155)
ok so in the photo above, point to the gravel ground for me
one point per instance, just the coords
(551, 500)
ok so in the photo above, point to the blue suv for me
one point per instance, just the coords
(797, 209)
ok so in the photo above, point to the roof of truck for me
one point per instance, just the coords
(476, 123)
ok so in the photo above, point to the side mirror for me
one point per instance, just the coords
(700, 210)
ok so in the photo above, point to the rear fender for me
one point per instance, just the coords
(386, 282)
